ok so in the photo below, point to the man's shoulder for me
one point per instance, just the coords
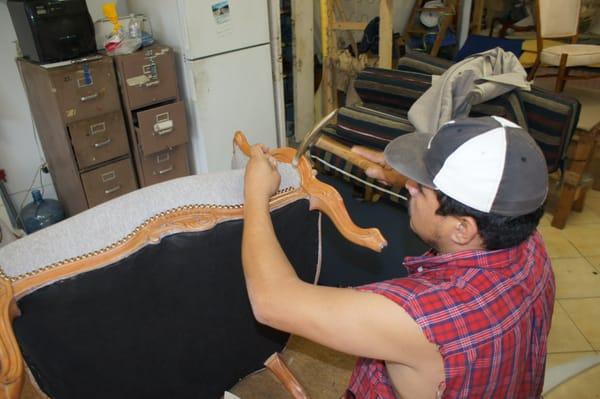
(410, 288)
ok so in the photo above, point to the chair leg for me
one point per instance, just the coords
(573, 178)
(580, 201)
(563, 72)
(564, 206)
(534, 69)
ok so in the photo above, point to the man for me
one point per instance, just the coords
(471, 319)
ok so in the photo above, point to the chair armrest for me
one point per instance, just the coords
(11, 360)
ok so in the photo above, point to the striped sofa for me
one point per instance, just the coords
(387, 95)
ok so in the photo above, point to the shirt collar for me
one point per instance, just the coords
(496, 259)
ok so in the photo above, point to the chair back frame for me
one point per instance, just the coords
(185, 219)
(547, 12)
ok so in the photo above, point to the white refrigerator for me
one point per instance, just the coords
(226, 70)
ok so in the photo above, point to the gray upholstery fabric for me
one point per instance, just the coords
(111, 221)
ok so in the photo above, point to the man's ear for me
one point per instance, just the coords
(465, 231)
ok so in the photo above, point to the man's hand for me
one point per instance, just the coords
(383, 173)
(262, 178)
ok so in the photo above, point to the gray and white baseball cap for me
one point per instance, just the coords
(489, 164)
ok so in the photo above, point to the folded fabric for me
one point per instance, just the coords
(474, 80)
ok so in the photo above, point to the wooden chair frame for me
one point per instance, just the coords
(576, 180)
(562, 74)
(447, 15)
(330, 25)
(189, 218)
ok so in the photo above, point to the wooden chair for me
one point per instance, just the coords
(560, 19)
(446, 14)
(144, 296)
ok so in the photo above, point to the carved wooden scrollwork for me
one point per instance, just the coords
(185, 219)
(11, 361)
(324, 198)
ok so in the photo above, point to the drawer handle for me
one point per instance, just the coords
(167, 170)
(103, 143)
(112, 189)
(164, 127)
(92, 96)
(153, 83)
(165, 131)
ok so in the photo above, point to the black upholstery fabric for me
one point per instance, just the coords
(170, 321)
(348, 265)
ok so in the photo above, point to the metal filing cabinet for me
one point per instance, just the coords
(155, 113)
(80, 123)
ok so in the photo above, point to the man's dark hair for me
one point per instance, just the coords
(497, 231)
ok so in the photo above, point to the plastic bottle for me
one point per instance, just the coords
(41, 213)
(135, 27)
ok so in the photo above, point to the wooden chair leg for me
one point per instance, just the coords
(279, 368)
(580, 201)
(563, 72)
(534, 68)
(437, 44)
(564, 206)
(564, 80)
(574, 178)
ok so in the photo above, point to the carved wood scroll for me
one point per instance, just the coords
(11, 361)
(324, 198)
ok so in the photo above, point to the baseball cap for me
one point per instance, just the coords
(489, 164)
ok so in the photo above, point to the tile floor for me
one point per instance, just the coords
(575, 333)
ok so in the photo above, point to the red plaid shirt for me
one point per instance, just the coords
(488, 311)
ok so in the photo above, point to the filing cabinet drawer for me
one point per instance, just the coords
(161, 128)
(86, 89)
(99, 139)
(165, 165)
(108, 182)
(148, 76)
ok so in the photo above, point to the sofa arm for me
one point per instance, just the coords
(393, 89)
(11, 361)
(416, 61)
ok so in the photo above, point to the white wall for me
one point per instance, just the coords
(95, 7)
(20, 154)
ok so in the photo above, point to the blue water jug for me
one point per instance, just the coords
(41, 213)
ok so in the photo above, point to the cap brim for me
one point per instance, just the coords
(406, 154)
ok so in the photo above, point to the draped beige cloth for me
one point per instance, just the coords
(474, 80)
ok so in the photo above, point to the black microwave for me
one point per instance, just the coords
(52, 30)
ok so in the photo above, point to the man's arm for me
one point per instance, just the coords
(359, 323)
